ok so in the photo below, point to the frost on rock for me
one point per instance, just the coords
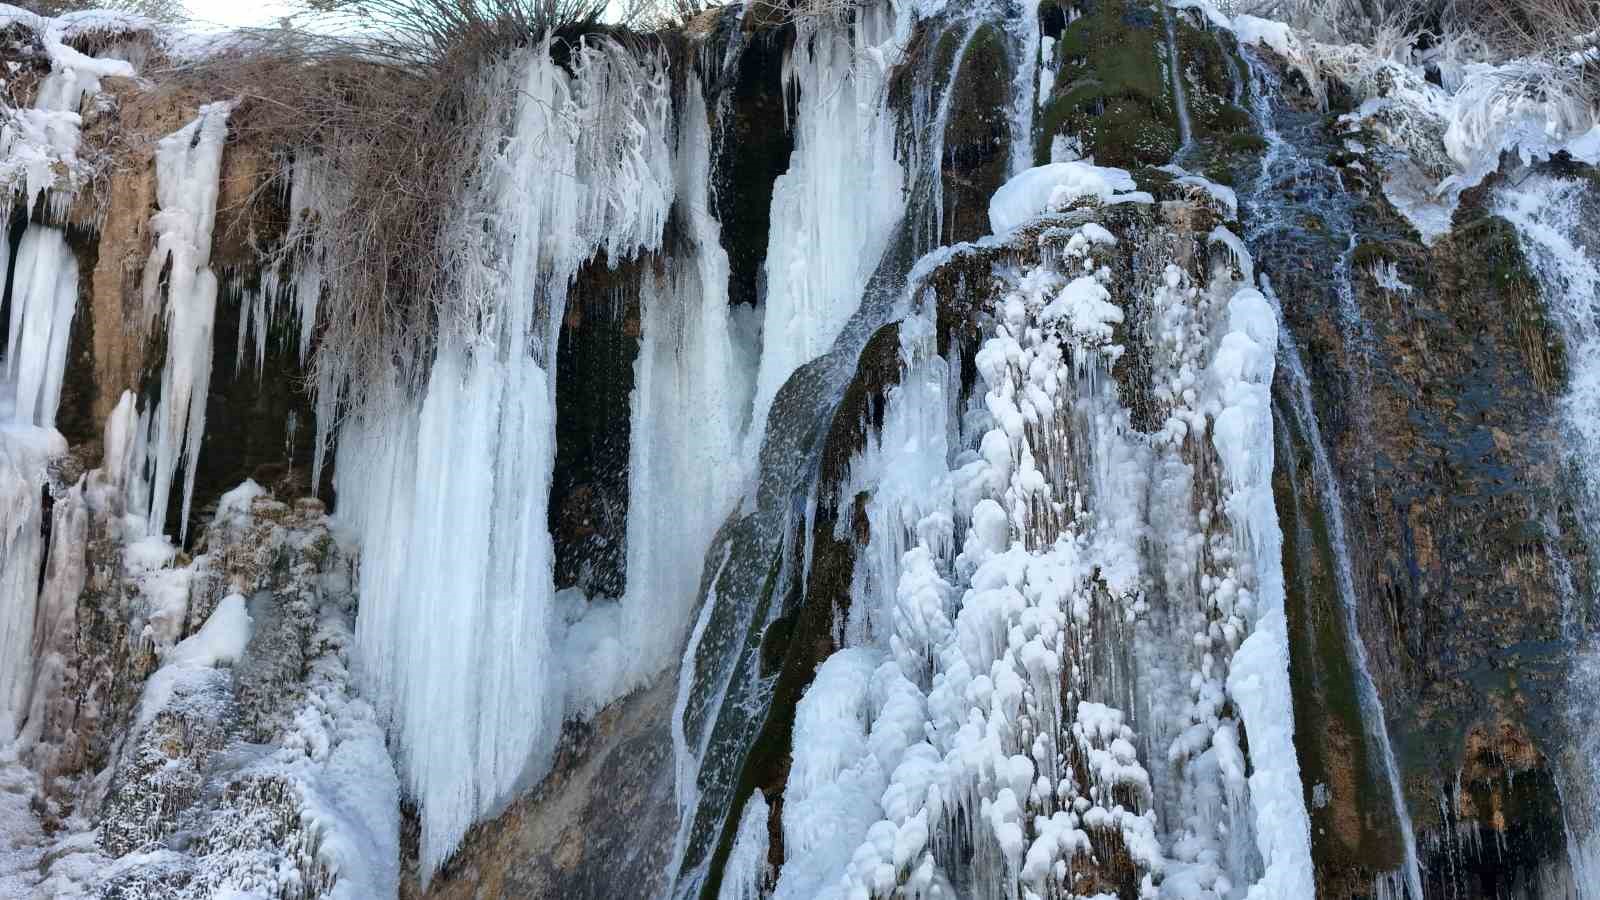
(249, 765)
(1056, 648)
(1434, 137)
(39, 144)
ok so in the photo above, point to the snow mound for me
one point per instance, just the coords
(1056, 186)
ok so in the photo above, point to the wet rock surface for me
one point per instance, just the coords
(617, 768)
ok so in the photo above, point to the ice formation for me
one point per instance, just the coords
(748, 874)
(1554, 222)
(188, 165)
(39, 145)
(1066, 647)
(44, 298)
(24, 453)
(833, 210)
(978, 703)
(450, 493)
(1053, 186)
(696, 356)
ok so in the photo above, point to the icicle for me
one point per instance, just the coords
(455, 634)
(833, 211)
(689, 412)
(188, 164)
(55, 631)
(44, 296)
(1258, 678)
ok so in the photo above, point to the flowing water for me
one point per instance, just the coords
(1555, 221)
(1179, 96)
(1292, 185)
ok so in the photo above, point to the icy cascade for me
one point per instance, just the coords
(981, 732)
(1372, 713)
(44, 296)
(1270, 216)
(24, 453)
(689, 412)
(188, 164)
(834, 211)
(449, 492)
(1443, 133)
(761, 561)
(1554, 222)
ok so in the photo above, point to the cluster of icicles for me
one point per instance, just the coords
(39, 160)
(1005, 678)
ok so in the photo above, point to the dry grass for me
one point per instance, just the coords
(387, 122)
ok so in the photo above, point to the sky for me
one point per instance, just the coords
(236, 13)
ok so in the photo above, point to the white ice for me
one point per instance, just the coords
(44, 297)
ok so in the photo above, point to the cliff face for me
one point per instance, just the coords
(977, 510)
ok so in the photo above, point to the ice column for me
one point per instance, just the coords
(44, 295)
(691, 405)
(833, 211)
(24, 452)
(188, 164)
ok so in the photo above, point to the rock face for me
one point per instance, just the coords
(199, 727)
(618, 767)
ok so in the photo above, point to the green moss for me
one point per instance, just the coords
(1247, 143)
(1112, 91)
(1351, 837)
(794, 646)
(1490, 252)
(1371, 253)
(977, 136)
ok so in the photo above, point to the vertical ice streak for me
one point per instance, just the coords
(1258, 674)
(833, 211)
(1175, 71)
(24, 452)
(690, 408)
(44, 296)
(188, 165)
(1268, 213)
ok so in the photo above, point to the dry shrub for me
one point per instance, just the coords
(386, 124)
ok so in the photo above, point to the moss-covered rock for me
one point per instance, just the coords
(977, 135)
(1434, 382)
(1113, 93)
